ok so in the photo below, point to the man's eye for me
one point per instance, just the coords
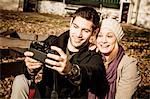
(75, 26)
(85, 30)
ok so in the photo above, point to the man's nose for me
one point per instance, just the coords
(79, 33)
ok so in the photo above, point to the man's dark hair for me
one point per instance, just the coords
(88, 13)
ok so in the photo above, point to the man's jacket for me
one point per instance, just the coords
(92, 73)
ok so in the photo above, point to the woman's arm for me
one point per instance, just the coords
(129, 79)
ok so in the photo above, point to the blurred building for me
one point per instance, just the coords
(135, 12)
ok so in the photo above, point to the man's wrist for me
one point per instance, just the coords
(74, 72)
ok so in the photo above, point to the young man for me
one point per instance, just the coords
(73, 70)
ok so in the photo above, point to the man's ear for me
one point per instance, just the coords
(96, 31)
(93, 36)
(71, 20)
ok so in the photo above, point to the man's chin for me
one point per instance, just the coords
(82, 45)
(77, 46)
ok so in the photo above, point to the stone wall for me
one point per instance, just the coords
(111, 13)
(9, 4)
(51, 7)
(143, 19)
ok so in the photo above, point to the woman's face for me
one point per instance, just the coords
(106, 41)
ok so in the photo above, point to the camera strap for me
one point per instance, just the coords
(54, 94)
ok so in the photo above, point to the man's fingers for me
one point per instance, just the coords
(28, 59)
(59, 50)
(56, 68)
(28, 53)
(34, 66)
(51, 62)
(97, 50)
(32, 63)
(55, 57)
(61, 57)
(92, 47)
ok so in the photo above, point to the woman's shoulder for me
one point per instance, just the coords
(127, 63)
(126, 60)
(130, 58)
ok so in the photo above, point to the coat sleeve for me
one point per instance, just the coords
(96, 75)
(129, 79)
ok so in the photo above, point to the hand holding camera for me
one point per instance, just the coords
(53, 57)
(36, 55)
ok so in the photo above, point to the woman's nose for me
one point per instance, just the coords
(104, 40)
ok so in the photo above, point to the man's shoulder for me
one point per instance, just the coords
(51, 39)
(64, 34)
(91, 55)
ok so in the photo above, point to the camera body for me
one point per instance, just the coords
(40, 50)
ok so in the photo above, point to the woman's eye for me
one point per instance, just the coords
(99, 35)
(109, 36)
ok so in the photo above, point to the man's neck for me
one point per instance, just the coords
(70, 47)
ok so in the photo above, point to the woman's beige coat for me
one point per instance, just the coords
(128, 78)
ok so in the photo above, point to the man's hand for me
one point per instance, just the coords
(59, 62)
(31, 63)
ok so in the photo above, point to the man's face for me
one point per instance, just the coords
(80, 31)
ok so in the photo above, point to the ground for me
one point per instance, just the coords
(136, 42)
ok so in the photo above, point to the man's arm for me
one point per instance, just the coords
(35, 57)
(98, 82)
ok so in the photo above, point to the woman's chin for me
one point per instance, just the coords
(104, 51)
